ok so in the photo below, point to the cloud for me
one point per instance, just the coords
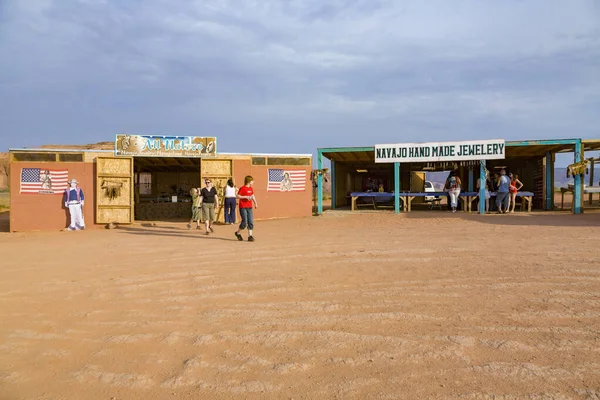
(288, 76)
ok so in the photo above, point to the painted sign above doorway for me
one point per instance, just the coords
(165, 146)
(440, 151)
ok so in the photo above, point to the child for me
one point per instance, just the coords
(195, 208)
(246, 197)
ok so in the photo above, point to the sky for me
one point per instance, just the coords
(291, 76)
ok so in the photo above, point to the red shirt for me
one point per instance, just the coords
(246, 191)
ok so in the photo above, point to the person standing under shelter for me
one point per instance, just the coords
(230, 201)
(502, 198)
(74, 200)
(486, 185)
(453, 185)
(246, 197)
(209, 200)
(515, 186)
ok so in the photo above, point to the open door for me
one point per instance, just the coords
(114, 190)
(417, 184)
(218, 171)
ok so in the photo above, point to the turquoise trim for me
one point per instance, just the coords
(320, 184)
(345, 149)
(577, 200)
(541, 142)
(397, 187)
(471, 172)
(549, 182)
(482, 187)
(333, 187)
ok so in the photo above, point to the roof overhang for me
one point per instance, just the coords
(514, 149)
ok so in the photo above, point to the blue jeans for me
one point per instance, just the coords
(230, 210)
(247, 218)
(502, 199)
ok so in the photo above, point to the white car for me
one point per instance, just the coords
(429, 188)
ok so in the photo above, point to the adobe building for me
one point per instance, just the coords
(148, 178)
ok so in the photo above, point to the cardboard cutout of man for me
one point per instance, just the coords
(74, 200)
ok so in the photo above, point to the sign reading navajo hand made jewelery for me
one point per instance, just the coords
(165, 146)
(440, 151)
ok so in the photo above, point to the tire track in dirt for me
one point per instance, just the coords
(367, 313)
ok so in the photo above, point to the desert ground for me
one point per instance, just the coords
(363, 305)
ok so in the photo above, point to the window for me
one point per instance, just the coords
(34, 157)
(288, 161)
(145, 183)
(259, 160)
(70, 157)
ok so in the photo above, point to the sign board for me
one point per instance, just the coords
(440, 151)
(165, 146)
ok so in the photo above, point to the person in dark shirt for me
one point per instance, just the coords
(209, 200)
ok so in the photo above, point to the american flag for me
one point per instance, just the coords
(35, 181)
(277, 176)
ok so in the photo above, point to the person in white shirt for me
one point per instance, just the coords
(453, 186)
(230, 201)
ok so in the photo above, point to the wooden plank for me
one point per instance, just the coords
(114, 190)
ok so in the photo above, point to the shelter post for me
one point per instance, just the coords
(320, 184)
(549, 181)
(332, 179)
(482, 185)
(397, 187)
(577, 192)
(471, 179)
(592, 161)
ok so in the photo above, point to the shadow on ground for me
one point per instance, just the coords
(173, 231)
(541, 218)
(5, 221)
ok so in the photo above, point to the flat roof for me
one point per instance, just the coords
(514, 149)
(57, 150)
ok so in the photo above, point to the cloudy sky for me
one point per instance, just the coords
(292, 76)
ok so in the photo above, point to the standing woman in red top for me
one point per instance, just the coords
(246, 197)
(513, 188)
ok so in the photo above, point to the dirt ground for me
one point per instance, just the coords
(342, 306)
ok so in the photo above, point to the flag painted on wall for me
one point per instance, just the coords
(282, 180)
(43, 181)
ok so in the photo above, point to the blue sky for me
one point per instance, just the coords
(292, 76)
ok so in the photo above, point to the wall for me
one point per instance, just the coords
(274, 204)
(31, 212)
(46, 211)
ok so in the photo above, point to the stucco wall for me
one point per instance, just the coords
(275, 204)
(46, 211)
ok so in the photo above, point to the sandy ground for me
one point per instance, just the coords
(343, 306)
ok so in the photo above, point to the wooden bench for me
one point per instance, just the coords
(586, 190)
(406, 198)
(373, 199)
(527, 199)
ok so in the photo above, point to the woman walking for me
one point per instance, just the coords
(453, 185)
(230, 200)
(246, 196)
(210, 201)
